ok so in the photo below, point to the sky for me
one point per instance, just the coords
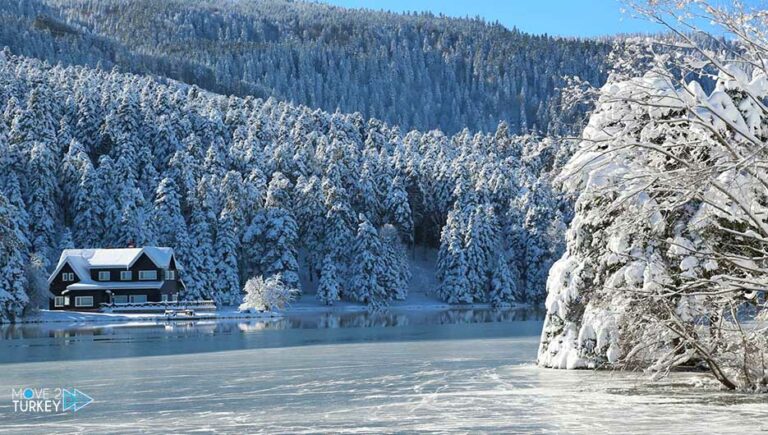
(580, 18)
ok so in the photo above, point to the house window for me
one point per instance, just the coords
(58, 301)
(126, 275)
(175, 297)
(138, 299)
(170, 275)
(120, 299)
(164, 297)
(104, 276)
(83, 301)
(68, 276)
(147, 275)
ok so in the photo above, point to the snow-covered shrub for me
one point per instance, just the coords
(267, 294)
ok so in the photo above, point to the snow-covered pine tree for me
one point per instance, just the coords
(147, 176)
(368, 268)
(227, 278)
(66, 241)
(310, 217)
(13, 281)
(273, 235)
(502, 286)
(183, 170)
(454, 286)
(89, 222)
(366, 196)
(397, 272)
(88, 118)
(280, 238)
(42, 200)
(166, 143)
(328, 287)
(197, 260)
(480, 250)
(339, 235)
(399, 210)
(233, 194)
(70, 171)
(538, 249)
(167, 217)
(104, 201)
(135, 226)
(16, 201)
(279, 192)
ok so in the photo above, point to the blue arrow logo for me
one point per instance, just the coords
(75, 400)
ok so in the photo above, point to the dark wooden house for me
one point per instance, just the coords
(86, 278)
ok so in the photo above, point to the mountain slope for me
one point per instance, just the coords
(417, 71)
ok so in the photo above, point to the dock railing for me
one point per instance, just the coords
(160, 307)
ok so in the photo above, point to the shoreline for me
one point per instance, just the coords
(231, 313)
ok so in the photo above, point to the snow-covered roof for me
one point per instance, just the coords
(82, 260)
(113, 285)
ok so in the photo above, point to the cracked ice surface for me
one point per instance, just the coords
(458, 380)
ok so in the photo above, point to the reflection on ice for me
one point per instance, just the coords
(322, 320)
(61, 341)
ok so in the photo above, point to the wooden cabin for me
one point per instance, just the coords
(86, 278)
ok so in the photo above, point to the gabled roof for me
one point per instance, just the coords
(82, 260)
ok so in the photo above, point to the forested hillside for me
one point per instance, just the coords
(415, 71)
(248, 187)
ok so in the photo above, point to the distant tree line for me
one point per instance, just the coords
(416, 70)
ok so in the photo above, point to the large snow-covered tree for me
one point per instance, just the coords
(665, 262)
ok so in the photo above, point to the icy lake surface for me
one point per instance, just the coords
(463, 371)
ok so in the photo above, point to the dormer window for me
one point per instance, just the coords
(126, 275)
(170, 275)
(147, 275)
(67, 276)
(104, 276)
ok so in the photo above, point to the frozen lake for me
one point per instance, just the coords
(465, 371)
